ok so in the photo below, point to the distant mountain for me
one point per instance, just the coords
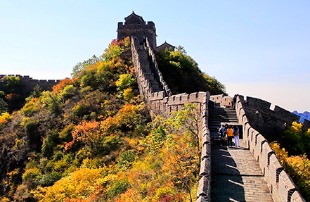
(303, 116)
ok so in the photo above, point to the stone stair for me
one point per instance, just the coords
(236, 175)
(220, 115)
(146, 66)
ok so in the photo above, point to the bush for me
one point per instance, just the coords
(118, 187)
(49, 144)
(177, 66)
(31, 175)
(68, 92)
(110, 143)
(49, 179)
(126, 159)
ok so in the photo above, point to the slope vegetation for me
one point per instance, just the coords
(91, 138)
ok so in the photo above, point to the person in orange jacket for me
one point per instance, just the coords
(230, 135)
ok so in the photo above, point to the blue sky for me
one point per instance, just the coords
(257, 48)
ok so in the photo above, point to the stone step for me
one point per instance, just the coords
(217, 116)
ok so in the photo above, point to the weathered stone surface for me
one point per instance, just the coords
(203, 187)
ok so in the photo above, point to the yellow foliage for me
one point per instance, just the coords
(128, 94)
(4, 118)
(31, 173)
(141, 176)
(163, 193)
(281, 153)
(78, 185)
(298, 167)
(13, 174)
(296, 127)
(4, 199)
(30, 107)
(301, 164)
(125, 116)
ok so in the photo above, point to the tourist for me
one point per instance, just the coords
(222, 132)
(234, 101)
(230, 135)
(236, 136)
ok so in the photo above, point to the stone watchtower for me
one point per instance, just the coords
(135, 26)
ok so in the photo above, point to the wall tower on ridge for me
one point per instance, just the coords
(135, 26)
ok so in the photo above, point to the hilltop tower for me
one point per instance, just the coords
(135, 26)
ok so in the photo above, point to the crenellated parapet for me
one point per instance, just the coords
(155, 69)
(279, 182)
(269, 120)
(222, 100)
(29, 83)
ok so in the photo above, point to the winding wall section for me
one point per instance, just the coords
(279, 182)
(159, 100)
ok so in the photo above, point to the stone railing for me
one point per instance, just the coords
(156, 69)
(279, 182)
(145, 79)
(159, 101)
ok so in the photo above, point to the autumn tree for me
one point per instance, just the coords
(177, 66)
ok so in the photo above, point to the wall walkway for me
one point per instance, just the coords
(236, 176)
(244, 169)
(278, 181)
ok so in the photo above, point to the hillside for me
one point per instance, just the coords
(91, 138)
(182, 73)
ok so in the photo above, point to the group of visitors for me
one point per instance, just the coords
(228, 133)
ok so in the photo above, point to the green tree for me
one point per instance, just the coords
(177, 66)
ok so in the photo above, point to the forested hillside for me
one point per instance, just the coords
(13, 93)
(182, 73)
(91, 138)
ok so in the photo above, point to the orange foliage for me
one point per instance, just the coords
(81, 131)
(130, 195)
(4, 118)
(126, 114)
(12, 97)
(63, 83)
(86, 132)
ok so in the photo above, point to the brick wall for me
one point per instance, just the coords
(265, 119)
(280, 184)
(222, 100)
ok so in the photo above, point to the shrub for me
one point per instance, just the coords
(48, 145)
(68, 92)
(126, 159)
(31, 174)
(49, 179)
(110, 143)
(4, 118)
(118, 187)
(124, 81)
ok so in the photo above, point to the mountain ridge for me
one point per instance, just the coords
(303, 116)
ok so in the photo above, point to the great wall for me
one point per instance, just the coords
(252, 113)
(29, 83)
